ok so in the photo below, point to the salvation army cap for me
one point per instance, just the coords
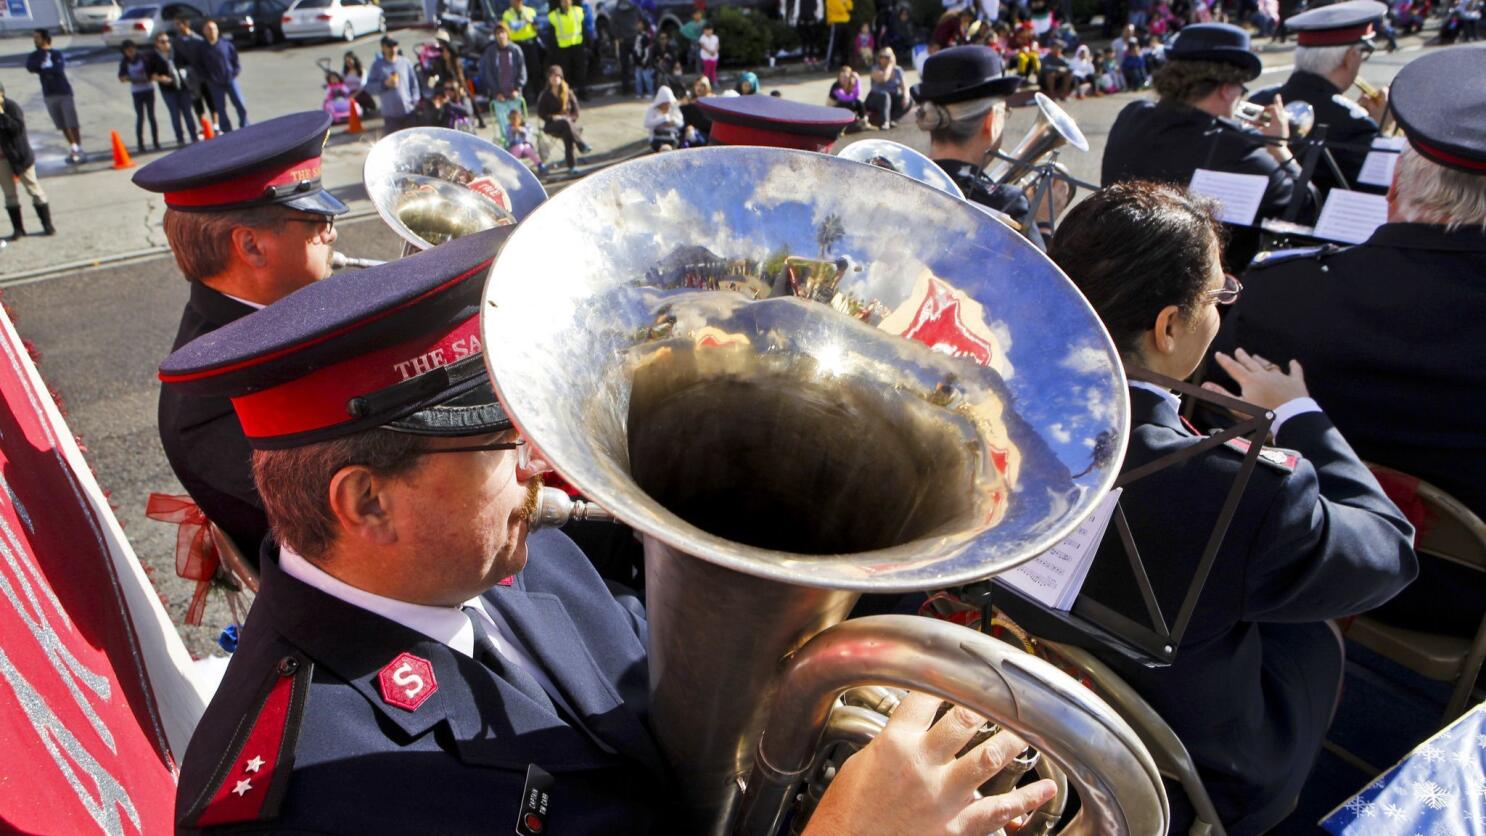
(774, 122)
(1223, 43)
(1339, 24)
(1446, 123)
(272, 163)
(395, 346)
(962, 73)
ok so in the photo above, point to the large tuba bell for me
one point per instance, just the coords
(1053, 129)
(802, 379)
(433, 185)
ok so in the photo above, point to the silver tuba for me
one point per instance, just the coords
(433, 185)
(1053, 129)
(802, 379)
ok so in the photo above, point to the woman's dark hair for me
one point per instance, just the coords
(1133, 248)
(1188, 81)
(351, 62)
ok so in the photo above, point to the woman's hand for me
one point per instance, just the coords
(908, 779)
(1260, 382)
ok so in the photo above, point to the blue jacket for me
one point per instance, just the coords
(218, 61)
(398, 99)
(53, 78)
(1255, 677)
(299, 736)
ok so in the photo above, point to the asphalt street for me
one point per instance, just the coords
(101, 332)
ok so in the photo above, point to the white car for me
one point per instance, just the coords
(344, 19)
(92, 15)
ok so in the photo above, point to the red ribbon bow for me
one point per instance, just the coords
(196, 557)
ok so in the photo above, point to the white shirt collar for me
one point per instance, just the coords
(1167, 395)
(254, 305)
(446, 625)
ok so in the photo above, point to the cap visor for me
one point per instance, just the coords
(474, 412)
(320, 202)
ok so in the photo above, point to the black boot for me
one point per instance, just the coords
(17, 227)
(44, 212)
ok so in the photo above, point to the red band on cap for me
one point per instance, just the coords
(1334, 37)
(727, 133)
(249, 187)
(319, 399)
(1444, 157)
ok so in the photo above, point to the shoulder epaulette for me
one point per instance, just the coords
(1279, 458)
(1270, 258)
(254, 771)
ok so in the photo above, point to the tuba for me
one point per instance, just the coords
(1053, 129)
(895, 156)
(802, 379)
(433, 185)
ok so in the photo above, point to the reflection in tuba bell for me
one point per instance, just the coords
(433, 185)
(793, 408)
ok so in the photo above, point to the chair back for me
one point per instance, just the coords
(1444, 527)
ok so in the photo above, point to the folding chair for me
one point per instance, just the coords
(1168, 750)
(1449, 531)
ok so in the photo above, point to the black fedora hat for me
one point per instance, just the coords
(1223, 43)
(963, 73)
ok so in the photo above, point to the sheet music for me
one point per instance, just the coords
(1350, 216)
(1055, 577)
(1239, 195)
(1377, 166)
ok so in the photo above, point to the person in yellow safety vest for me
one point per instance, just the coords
(521, 21)
(567, 29)
(838, 14)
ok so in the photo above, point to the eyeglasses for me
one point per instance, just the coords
(1367, 49)
(1229, 294)
(326, 221)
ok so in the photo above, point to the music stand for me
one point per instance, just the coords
(1153, 644)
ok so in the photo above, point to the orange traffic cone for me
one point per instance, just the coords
(121, 154)
(353, 126)
(206, 129)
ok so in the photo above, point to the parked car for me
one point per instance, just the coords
(344, 19)
(252, 22)
(92, 15)
(140, 23)
(403, 12)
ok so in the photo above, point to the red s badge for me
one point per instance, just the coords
(407, 682)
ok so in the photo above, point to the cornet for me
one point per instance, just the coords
(1385, 122)
(1302, 116)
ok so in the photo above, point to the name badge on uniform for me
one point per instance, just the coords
(536, 798)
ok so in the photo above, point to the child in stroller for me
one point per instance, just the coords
(338, 99)
(448, 111)
(518, 141)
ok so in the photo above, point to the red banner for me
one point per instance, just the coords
(85, 748)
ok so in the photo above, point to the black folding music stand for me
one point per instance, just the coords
(1152, 643)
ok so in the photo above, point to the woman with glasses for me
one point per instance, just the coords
(172, 74)
(1258, 669)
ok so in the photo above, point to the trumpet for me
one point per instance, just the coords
(1368, 91)
(1302, 116)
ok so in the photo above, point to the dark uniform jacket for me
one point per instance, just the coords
(979, 189)
(1390, 334)
(1167, 142)
(14, 145)
(1252, 687)
(203, 440)
(304, 693)
(1345, 121)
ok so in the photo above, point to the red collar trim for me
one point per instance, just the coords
(1334, 37)
(1444, 157)
(727, 133)
(249, 187)
(320, 399)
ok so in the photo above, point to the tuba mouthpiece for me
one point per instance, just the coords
(555, 509)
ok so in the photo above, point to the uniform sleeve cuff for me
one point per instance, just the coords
(1291, 408)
